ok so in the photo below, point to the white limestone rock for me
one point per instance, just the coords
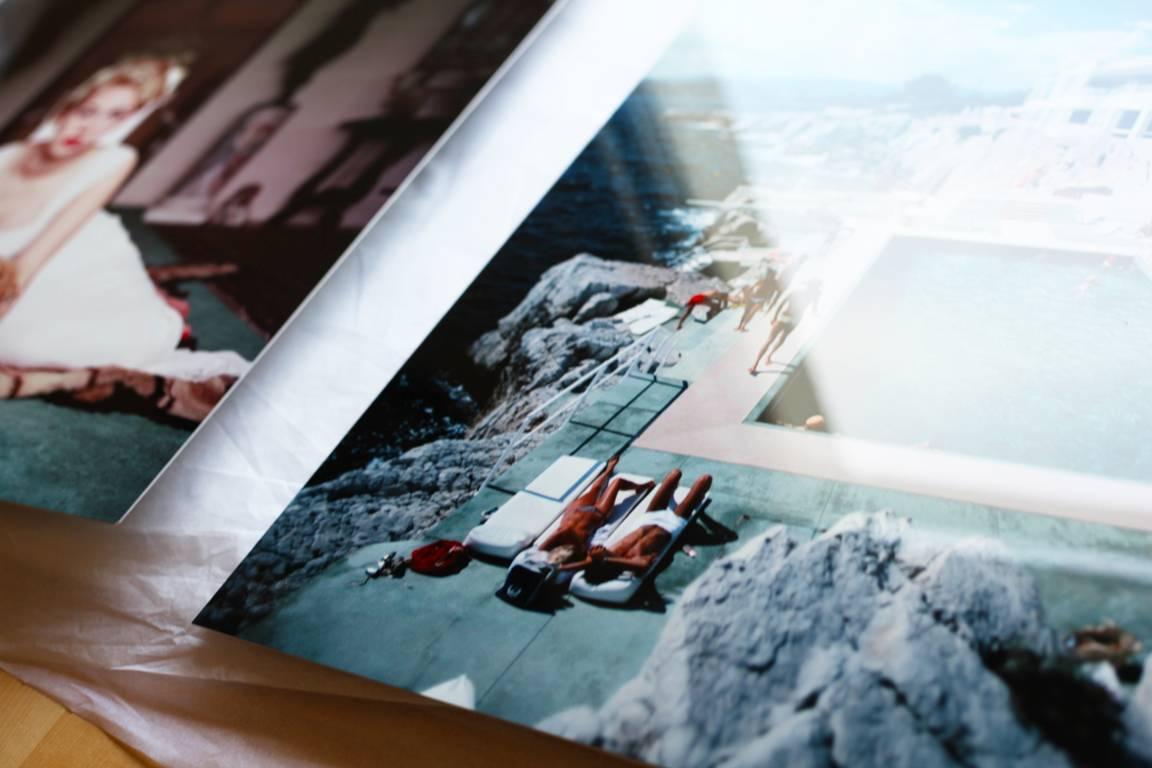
(838, 651)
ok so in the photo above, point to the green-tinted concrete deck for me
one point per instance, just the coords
(96, 464)
(418, 631)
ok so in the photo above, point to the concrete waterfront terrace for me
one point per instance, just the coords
(417, 631)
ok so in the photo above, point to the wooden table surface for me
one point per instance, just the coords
(36, 732)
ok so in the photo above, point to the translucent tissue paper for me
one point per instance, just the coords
(99, 616)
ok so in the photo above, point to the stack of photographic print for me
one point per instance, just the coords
(175, 178)
(802, 423)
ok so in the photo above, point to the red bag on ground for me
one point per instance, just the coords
(440, 558)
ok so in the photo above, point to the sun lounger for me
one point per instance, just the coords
(622, 588)
(521, 519)
(646, 316)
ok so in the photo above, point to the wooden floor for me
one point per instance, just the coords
(36, 732)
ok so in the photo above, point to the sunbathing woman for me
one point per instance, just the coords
(716, 301)
(586, 514)
(761, 295)
(639, 549)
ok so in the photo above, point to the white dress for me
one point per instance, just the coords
(93, 303)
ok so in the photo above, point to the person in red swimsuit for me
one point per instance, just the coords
(716, 301)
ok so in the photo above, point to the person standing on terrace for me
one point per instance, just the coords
(761, 295)
(793, 306)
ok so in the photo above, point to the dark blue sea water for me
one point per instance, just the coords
(625, 198)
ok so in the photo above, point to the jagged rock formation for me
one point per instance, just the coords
(544, 361)
(735, 227)
(859, 648)
(561, 329)
(581, 289)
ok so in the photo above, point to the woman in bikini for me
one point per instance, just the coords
(762, 293)
(639, 549)
(794, 304)
(79, 314)
(586, 514)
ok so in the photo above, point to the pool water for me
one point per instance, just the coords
(1020, 355)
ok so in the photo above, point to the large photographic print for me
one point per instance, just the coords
(800, 424)
(170, 194)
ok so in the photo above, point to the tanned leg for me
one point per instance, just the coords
(684, 317)
(750, 310)
(764, 349)
(592, 494)
(695, 496)
(664, 493)
(780, 338)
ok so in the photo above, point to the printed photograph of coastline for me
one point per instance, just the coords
(173, 189)
(800, 424)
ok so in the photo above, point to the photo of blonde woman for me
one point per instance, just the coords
(176, 177)
(74, 290)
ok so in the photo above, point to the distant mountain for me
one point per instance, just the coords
(923, 95)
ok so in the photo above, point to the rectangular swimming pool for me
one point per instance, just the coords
(1020, 355)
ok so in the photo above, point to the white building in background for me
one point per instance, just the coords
(1068, 167)
(1112, 98)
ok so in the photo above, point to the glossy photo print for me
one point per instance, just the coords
(171, 191)
(802, 423)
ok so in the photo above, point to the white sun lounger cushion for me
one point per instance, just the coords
(565, 478)
(622, 588)
(646, 316)
(524, 516)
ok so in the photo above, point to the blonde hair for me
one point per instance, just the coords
(153, 77)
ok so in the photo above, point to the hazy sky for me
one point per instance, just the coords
(979, 44)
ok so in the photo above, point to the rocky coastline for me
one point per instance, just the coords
(561, 329)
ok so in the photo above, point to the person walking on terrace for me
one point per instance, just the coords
(761, 295)
(793, 306)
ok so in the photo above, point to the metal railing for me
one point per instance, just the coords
(649, 351)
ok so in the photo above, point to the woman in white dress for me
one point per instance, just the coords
(74, 291)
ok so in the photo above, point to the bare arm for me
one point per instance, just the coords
(577, 566)
(33, 258)
(623, 484)
(638, 564)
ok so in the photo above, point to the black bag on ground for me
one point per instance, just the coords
(526, 583)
